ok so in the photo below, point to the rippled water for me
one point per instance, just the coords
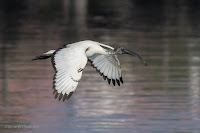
(163, 97)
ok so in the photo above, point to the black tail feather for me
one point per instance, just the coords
(41, 57)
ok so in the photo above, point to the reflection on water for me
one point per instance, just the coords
(163, 97)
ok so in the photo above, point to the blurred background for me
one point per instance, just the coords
(162, 97)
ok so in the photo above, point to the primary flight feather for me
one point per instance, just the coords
(70, 61)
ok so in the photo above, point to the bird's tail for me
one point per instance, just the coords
(45, 55)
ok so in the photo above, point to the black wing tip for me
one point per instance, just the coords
(56, 95)
(99, 71)
(121, 80)
(62, 96)
(113, 81)
(118, 82)
(70, 94)
(54, 91)
(108, 80)
(104, 77)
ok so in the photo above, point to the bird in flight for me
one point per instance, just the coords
(70, 61)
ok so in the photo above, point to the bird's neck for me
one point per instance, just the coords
(92, 48)
(90, 51)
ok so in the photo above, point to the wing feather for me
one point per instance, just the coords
(100, 66)
(108, 66)
(68, 87)
(113, 75)
(103, 67)
(110, 71)
(62, 86)
(117, 74)
(66, 62)
(61, 80)
(106, 70)
(100, 60)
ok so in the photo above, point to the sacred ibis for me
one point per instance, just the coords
(70, 61)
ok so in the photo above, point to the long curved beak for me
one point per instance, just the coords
(134, 54)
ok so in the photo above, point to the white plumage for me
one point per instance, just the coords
(108, 66)
(70, 61)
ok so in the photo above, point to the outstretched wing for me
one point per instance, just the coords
(108, 66)
(68, 64)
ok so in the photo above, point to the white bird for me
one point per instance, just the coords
(70, 61)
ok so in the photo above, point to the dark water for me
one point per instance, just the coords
(163, 97)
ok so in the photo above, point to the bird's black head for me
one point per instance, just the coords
(121, 50)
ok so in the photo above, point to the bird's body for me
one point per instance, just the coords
(70, 61)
